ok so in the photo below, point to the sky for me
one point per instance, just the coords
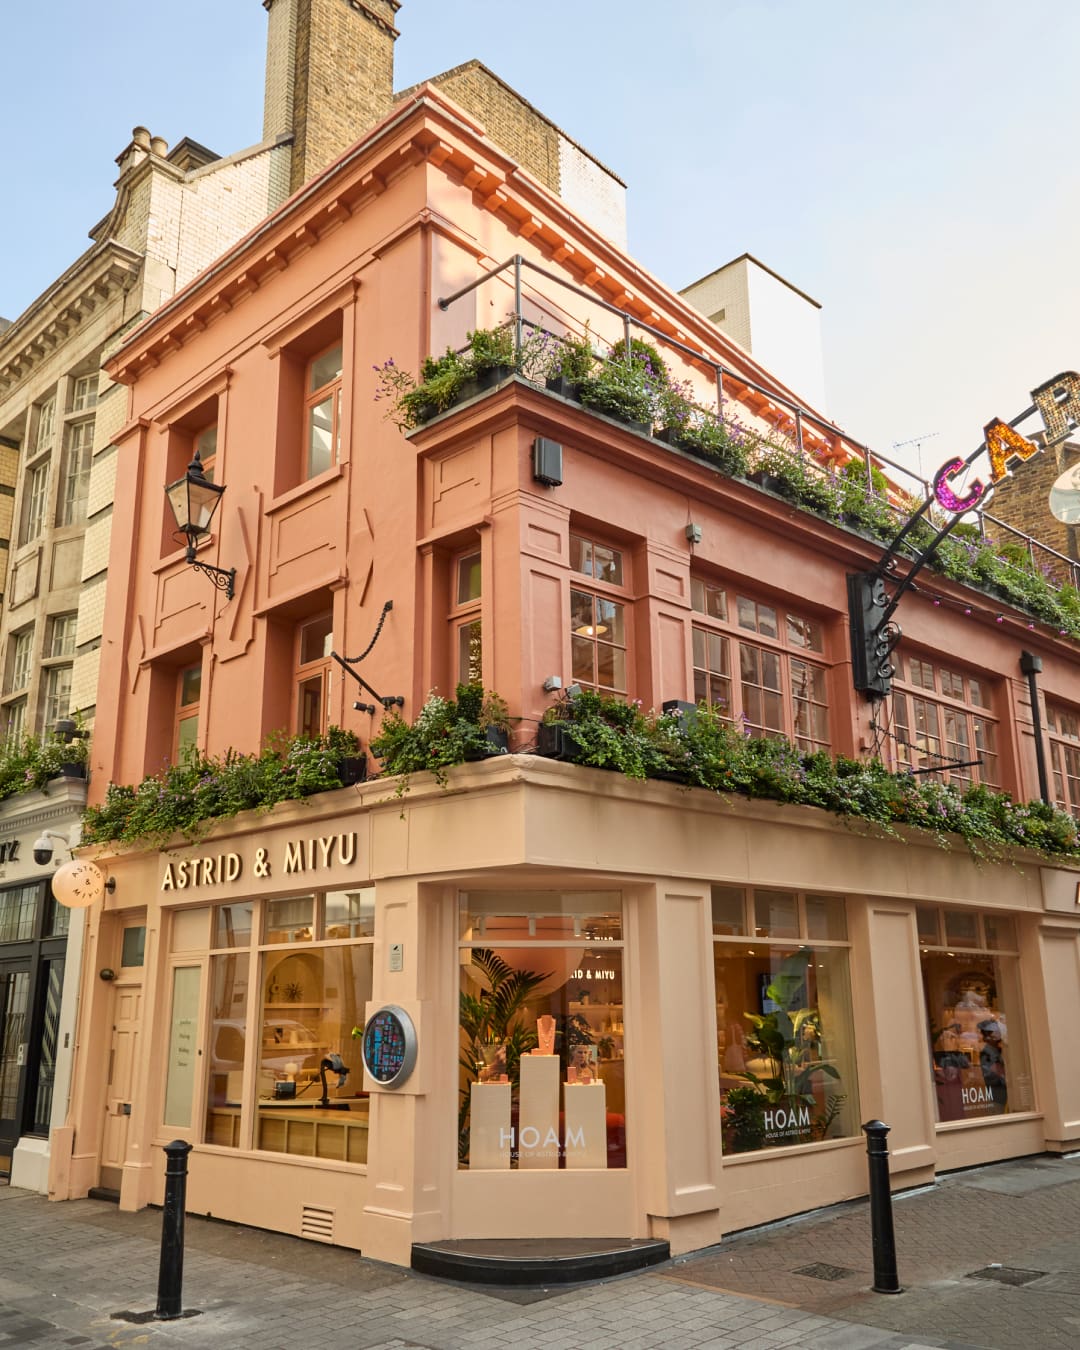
(909, 165)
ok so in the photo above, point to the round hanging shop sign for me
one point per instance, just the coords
(389, 1046)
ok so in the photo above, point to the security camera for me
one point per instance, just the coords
(43, 846)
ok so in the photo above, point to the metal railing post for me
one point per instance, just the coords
(171, 1269)
(518, 334)
(720, 393)
(886, 1280)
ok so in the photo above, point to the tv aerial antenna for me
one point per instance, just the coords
(917, 442)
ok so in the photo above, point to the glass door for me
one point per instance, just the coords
(14, 1052)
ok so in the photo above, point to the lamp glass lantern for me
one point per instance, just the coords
(194, 499)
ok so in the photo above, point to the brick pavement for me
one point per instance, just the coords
(65, 1269)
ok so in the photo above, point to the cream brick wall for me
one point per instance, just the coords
(91, 612)
(84, 680)
(96, 549)
(278, 95)
(102, 484)
(596, 195)
(727, 289)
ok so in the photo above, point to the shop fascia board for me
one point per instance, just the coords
(730, 839)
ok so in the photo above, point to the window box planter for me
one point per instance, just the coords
(498, 743)
(565, 388)
(770, 482)
(352, 769)
(556, 741)
(493, 375)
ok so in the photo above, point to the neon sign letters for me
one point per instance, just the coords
(1058, 403)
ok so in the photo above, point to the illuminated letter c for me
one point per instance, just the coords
(946, 496)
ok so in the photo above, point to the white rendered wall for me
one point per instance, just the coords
(786, 336)
(592, 192)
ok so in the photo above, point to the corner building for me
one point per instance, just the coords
(649, 924)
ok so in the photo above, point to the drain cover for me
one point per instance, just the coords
(821, 1271)
(1007, 1275)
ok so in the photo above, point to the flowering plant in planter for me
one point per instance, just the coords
(30, 762)
(187, 798)
(446, 732)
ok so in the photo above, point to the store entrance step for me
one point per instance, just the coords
(103, 1193)
(536, 1261)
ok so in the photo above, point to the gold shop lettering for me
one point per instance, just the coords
(307, 855)
(202, 872)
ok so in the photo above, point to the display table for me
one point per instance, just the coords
(586, 1125)
(489, 1126)
(538, 1112)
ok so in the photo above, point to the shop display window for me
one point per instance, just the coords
(284, 1073)
(974, 1014)
(542, 1039)
(785, 1038)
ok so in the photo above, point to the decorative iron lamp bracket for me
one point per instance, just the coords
(347, 663)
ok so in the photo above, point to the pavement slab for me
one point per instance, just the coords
(65, 1269)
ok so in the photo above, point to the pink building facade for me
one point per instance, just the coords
(658, 928)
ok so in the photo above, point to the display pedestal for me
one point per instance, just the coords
(489, 1126)
(538, 1112)
(586, 1125)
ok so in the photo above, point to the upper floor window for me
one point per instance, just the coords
(598, 617)
(314, 639)
(1064, 728)
(37, 493)
(75, 473)
(188, 696)
(322, 407)
(46, 425)
(84, 392)
(61, 641)
(19, 661)
(14, 720)
(57, 693)
(755, 663)
(465, 618)
(942, 722)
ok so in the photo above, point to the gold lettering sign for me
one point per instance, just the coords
(297, 856)
(1003, 444)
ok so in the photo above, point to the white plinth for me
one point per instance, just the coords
(489, 1126)
(538, 1113)
(586, 1125)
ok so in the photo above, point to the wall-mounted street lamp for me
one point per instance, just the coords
(194, 499)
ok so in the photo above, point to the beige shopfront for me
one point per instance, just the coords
(640, 1011)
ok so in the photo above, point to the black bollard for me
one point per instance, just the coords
(886, 1280)
(171, 1270)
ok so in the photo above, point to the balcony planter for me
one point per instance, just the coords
(72, 770)
(556, 741)
(352, 769)
(493, 375)
(770, 482)
(498, 743)
(564, 387)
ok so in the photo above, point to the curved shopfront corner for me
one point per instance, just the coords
(603, 1047)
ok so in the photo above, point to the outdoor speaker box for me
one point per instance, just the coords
(547, 461)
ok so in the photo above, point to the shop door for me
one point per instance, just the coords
(14, 1053)
(127, 1015)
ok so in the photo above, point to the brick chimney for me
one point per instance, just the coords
(329, 76)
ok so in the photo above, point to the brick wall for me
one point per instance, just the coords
(510, 122)
(1022, 500)
(343, 78)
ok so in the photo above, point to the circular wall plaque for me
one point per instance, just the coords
(389, 1046)
(1065, 497)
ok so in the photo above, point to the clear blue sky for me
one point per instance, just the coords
(911, 165)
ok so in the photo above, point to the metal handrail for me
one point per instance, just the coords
(799, 414)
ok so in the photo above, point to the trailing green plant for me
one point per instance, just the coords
(31, 762)
(446, 732)
(186, 799)
(626, 392)
(490, 348)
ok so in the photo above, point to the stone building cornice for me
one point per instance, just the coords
(107, 269)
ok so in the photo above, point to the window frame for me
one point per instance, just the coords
(75, 466)
(909, 683)
(600, 592)
(735, 637)
(330, 391)
(464, 615)
(35, 501)
(19, 671)
(1064, 746)
(307, 672)
(186, 712)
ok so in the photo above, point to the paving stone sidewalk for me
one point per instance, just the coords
(65, 1269)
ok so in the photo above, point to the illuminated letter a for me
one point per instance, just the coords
(1003, 444)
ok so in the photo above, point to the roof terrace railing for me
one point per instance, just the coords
(1053, 564)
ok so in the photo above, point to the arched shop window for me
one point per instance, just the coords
(542, 1041)
(974, 1014)
(784, 1029)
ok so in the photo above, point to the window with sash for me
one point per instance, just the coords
(942, 721)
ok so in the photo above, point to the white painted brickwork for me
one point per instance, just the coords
(592, 192)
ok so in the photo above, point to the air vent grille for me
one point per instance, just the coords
(317, 1224)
